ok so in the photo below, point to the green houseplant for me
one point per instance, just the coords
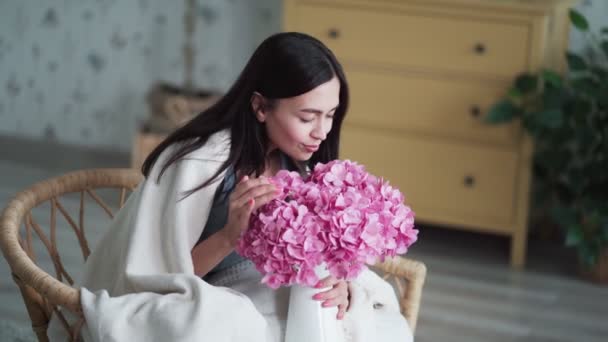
(567, 117)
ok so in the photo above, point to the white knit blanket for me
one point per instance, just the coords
(139, 282)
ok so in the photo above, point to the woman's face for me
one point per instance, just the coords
(297, 125)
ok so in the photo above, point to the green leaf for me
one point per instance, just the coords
(576, 180)
(579, 108)
(574, 235)
(541, 192)
(531, 126)
(526, 83)
(503, 111)
(565, 217)
(605, 30)
(578, 20)
(588, 255)
(550, 118)
(514, 94)
(603, 100)
(604, 46)
(600, 72)
(553, 98)
(557, 159)
(605, 230)
(585, 137)
(551, 77)
(586, 85)
(576, 62)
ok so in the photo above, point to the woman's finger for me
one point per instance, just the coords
(338, 292)
(238, 218)
(245, 209)
(327, 282)
(247, 183)
(329, 294)
(264, 199)
(257, 192)
(333, 302)
(341, 311)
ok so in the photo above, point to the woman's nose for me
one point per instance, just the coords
(319, 132)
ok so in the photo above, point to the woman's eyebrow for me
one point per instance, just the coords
(316, 111)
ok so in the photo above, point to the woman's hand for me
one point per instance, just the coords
(248, 195)
(337, 296)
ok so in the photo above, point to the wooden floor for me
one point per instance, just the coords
(470, 295)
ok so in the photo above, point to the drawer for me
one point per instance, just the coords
(417, 40)
(448, 107)
(443, 182)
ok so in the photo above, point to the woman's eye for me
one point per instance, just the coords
(305, 120)
(331, 117)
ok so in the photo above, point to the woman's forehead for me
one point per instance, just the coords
(324, 97)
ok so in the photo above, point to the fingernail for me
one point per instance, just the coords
(319, 285)
(317, 296)
(326, 304)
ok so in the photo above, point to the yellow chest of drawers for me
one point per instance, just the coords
(422, 74)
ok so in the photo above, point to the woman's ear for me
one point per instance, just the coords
(258, 105)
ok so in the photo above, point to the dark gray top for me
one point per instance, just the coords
(218, 216)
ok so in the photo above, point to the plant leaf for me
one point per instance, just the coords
(600, 73)
(574, 235)
(531, 126)
(578, 20)
(550, 118)
(585, 137)
(586, 85)
(557, 159)
(579, 107)
(588, 255)
(514, 94)
(576, 62)
(503, 111)
(605, 30)
(552, 78)
(603, 100)
(526, 83)
(565, 217)
(604, 46)
(553, 98)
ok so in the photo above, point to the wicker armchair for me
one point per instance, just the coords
(43, 293)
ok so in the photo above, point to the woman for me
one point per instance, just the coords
(142, 282)
(284, 111)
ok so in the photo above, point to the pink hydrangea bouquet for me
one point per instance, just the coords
(340, 216)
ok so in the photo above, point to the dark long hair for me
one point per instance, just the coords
(284, 65)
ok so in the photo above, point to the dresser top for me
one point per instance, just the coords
(501, 5)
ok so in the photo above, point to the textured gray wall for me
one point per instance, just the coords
(77, 71)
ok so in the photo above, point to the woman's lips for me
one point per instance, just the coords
(311, 148)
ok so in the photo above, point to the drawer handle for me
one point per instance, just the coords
(475, 111)
(333, 33)
(469, 181)
(480, 48)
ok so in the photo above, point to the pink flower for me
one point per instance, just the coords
(341, 216)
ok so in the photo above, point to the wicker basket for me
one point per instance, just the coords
(45, 294)
(172, 106)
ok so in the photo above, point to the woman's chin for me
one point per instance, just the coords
(303, 156)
